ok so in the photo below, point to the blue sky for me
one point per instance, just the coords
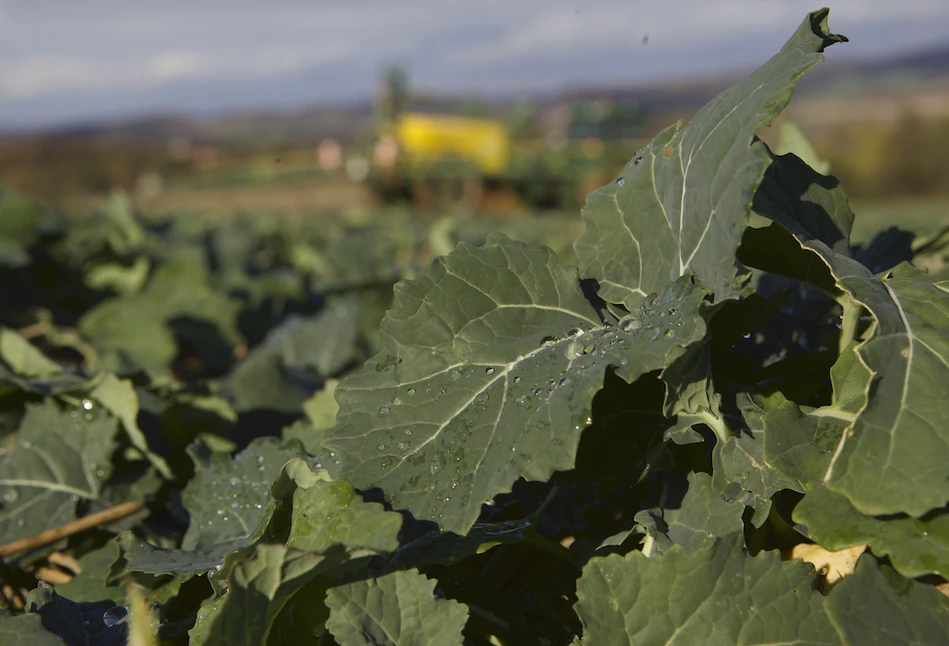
(64, 61)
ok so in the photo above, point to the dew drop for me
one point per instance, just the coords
(115, 616)
(517, 380)
(672, 311)
(630, 323)
(573, 350)
(384, 411)
(548, 340)
(87, 404)
(396, 402)
(410, 391)
(620, 181)
(10, 495)
(746, 335)
(521, 401)
(408, 431)
(20, 522)
(381, 447)
(489, 370)
(668, 334)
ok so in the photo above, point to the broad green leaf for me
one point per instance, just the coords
(24, 359)
(228, 498)
(397, 609)
(875, 605)
(718, 596)
(90, 584)
(25, 630)
(123, 279)
(204, 619)
(700, 517)
(321, 410)
(916, 546)
(118, 397)
(60, 458)
(229, 504)
(893, 458)
(20, 217)
(491, 358)
(691, 396)
(798, 445)
(259, 587)
(899, 440)
(24, 367)
(134, 331)
(739, 462)
(681, 204)
(314, 348)
(327, 513)
(850, 379)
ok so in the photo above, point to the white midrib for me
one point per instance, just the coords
(911, 339)
(503, 370)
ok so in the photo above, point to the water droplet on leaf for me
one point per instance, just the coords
(115, 616)
(384, 411)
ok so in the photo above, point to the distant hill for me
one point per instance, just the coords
(923, 71)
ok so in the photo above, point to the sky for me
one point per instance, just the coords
(72, 61)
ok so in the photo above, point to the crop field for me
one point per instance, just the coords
(710, 408)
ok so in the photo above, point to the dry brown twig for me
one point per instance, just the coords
(73, 527)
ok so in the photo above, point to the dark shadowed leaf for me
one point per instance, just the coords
(259, 588)
(700, 517)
